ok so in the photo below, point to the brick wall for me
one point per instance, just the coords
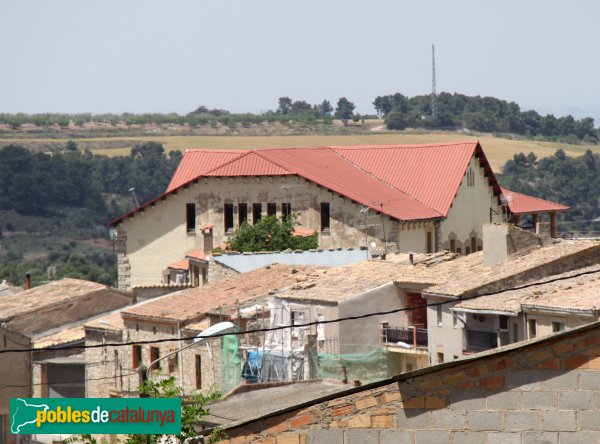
(545, 391)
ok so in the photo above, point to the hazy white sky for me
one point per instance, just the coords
(174, 55)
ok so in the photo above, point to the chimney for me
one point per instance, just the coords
(27, 281)
(504, 241)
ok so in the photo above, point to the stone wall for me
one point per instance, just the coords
(218, 272)
(543, 391)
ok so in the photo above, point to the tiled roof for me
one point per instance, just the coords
(180, 265)
(522, 204)
(470, 273)
(58, 303)
(66, 336)
(193, 303)
(574, 291)
(338, 283)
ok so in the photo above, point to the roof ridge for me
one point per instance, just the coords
(229, 162)
(404, 145)
(273, 162)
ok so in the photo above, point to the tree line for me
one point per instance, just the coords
(572, 181)
(485, 114)
(36, 183)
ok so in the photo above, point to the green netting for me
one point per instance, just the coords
(230, 363)
(366, 367)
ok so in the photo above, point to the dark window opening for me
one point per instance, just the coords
(198, 372)
(286, 211)
(228, 218)
(429, 242)
(190, 216)
(271, 209)
(256, 212)
(467, 250)
(325, 220)
(155, 356)
(136, 353)
(532, 328)
(453, 245)
(242, 213)
(473, 244)
(173, 363)
(503, 322)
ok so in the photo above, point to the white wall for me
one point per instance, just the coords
(445, 338)
(470, 210)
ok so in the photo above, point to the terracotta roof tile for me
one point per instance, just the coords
(180, 265)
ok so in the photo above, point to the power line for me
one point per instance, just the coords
(307, 324)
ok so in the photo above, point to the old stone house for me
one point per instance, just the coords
(539, 391)
(401, 198)
(50, 315)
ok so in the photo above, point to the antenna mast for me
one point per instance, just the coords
(433, 110)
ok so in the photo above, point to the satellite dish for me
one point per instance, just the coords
(220, 328)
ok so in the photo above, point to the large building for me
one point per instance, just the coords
(400, 198)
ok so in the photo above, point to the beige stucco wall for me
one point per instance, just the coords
(412, 236)
(469, 211)
(157, 236)
(445, 338)
(545, 320)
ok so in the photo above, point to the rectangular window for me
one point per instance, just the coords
(228, 209)
(173, 361)
(271, 209)
(155, 355)
(473, 244)
(429, 242)
(242, 213)
(198, 372)
(467, 250)
(440, 357)
(256, 212)
(558, 326)
(532, 328)
(459, 250)
(325, 216)
(286, 211)
(503, 322)
(190, 217)
(453, 245)
(439, 315)
(136, 355)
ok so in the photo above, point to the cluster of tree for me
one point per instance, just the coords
(36, 183)
(97, 267)
(288, 107)
(485, 114)
(271, 234)
(572, 181)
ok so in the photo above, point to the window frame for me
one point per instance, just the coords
(190, 217)
(325, 217)
(228, 219)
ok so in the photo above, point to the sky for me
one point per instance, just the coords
(172, 56)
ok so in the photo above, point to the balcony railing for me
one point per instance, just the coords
(413, 336)
(480, 341)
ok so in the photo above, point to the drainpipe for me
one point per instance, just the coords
(181, 360)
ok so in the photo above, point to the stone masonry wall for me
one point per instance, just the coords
(545, 391)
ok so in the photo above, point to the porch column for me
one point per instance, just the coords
(554, 224)
(536, 219)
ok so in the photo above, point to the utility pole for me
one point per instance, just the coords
(433, 87)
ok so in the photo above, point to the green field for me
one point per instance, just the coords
(498, 150)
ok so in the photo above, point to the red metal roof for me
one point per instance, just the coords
(252, 163)
(406, 182)
(523, 204)
(327, 168)
(429, 173)
(196, 163)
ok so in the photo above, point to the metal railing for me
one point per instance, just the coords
(480, 340)
(416, 337)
